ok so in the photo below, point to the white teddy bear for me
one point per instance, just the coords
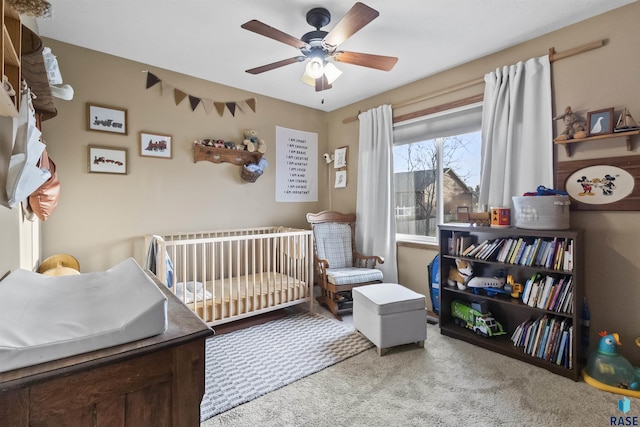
(254, 143)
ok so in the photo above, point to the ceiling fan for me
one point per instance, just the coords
(321, 47)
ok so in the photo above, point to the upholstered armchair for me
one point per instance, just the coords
(339, 267)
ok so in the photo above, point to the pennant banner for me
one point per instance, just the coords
(179, 95)
(208, 105)
(219, 107)
(194, 101)
(232, 108)
(251, 103)
(152, 79)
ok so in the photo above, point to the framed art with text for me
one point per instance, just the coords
(102, 118)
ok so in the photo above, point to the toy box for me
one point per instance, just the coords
(542, 212)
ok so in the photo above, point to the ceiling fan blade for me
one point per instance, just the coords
(273, 33)
(275, 65)
(322, 84)
(379, 62)
(355, 19)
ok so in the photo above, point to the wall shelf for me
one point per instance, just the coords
(224, 155)
(10, 59)
(626, 135)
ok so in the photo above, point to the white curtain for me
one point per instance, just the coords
(375, 224)
(517, 135)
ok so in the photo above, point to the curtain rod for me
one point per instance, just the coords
(553, 56)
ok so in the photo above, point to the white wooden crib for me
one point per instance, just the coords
(228, 275)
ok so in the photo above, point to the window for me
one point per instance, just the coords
(436, 161)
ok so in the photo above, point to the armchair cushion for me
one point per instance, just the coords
(352, 275)
(333, 242)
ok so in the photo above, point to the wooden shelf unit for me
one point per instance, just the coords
(510, 312)
(222, 155)
(626, 135)
(10, 59)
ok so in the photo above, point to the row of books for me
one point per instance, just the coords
(547, 337)
(556, 253)
(549, 292)
(458, 243)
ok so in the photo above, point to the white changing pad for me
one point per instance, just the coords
(47, 318)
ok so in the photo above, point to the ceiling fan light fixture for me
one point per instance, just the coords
(315, 68)
(332, 72)
(307, 80)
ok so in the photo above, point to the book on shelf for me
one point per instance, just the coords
(546, 285)
(478, 248)
(547, 337)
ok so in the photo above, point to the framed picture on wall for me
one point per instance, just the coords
(155, 145)
(108, 160)
(341, 179)
(600, 122)
(609, 184)
(103, 118)
(340, 157)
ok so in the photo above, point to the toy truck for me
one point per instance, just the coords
(476, 318)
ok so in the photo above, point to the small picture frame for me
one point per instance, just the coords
(340, 157)
(103, 118)
(341, 179)
(155, 145)
(600, 122)
(103, 159)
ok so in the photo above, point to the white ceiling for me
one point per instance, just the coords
(203, 38)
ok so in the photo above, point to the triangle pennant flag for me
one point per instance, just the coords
(179, 95)
(194, 102)
(251, 102)
(232, 108)
(219, 107)
(239, 106)
(152, 79)
(165, 88)
(208, 105)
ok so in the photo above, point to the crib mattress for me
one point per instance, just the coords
(47, 318)
(242, 294)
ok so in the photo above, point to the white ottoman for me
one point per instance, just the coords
(389, 314)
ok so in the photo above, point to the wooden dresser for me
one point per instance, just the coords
(158, 381)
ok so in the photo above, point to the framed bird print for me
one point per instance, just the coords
(600, 122)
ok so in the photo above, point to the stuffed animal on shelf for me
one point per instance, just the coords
(460, 275)
(253, 143)
(575, 127)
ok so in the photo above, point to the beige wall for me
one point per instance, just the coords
(101, 218)
(606, 77)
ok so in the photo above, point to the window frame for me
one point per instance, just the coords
(434, 113)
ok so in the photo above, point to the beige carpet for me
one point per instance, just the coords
(448, 383)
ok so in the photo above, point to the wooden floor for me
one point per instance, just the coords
(249, 321)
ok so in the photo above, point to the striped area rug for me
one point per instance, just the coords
(246, 364)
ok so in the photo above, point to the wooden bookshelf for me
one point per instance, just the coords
(509, 311)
